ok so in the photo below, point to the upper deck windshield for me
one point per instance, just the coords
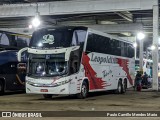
(57, 38)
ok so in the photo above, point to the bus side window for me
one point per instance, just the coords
(130, 51)
(90, 43)
(122, 49)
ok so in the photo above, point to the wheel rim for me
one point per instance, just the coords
(119, 88)
(84, 90)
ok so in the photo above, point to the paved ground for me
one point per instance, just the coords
(131, 101)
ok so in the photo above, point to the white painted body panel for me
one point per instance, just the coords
(109, 73)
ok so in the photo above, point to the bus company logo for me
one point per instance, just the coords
(6, 114)
(48, 39)
(107, 59)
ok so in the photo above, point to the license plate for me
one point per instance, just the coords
(44, 90)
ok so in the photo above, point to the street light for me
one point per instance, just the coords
(36, 22)
(153, 47)
(30, 26)
(135, 51)
(140, 36)
(135, 44)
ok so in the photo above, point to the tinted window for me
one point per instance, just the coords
(22, 42)
(97, 43)
(101, 44)
(51, 38)
(9, 68)
(130, 51)
(57, 38)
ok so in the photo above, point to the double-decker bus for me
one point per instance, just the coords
(11, 79)
(78, 60)
(12, 73)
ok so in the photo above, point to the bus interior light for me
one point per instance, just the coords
(40, 44)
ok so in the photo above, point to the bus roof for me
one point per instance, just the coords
(64, 27)
(84, 28)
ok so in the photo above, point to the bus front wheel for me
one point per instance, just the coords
(84, 90)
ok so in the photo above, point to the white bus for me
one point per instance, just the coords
(147, 66)
(78, 60)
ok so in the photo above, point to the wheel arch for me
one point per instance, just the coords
(83, 92)
(120, 79)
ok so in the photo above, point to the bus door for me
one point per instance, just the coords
(74, 72)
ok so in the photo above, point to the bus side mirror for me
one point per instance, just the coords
(20, 52)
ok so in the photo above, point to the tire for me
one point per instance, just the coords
(119, 87)
(84, 91)
(47, 96)
(1, 88)
(124, 86)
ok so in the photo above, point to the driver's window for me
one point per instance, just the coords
(74, 66)
(74, 62)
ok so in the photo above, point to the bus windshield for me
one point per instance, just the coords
(57, 38)
(47, 65)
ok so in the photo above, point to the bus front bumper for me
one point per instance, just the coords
(63, 89)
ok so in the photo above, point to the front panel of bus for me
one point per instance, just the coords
(54, 61)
